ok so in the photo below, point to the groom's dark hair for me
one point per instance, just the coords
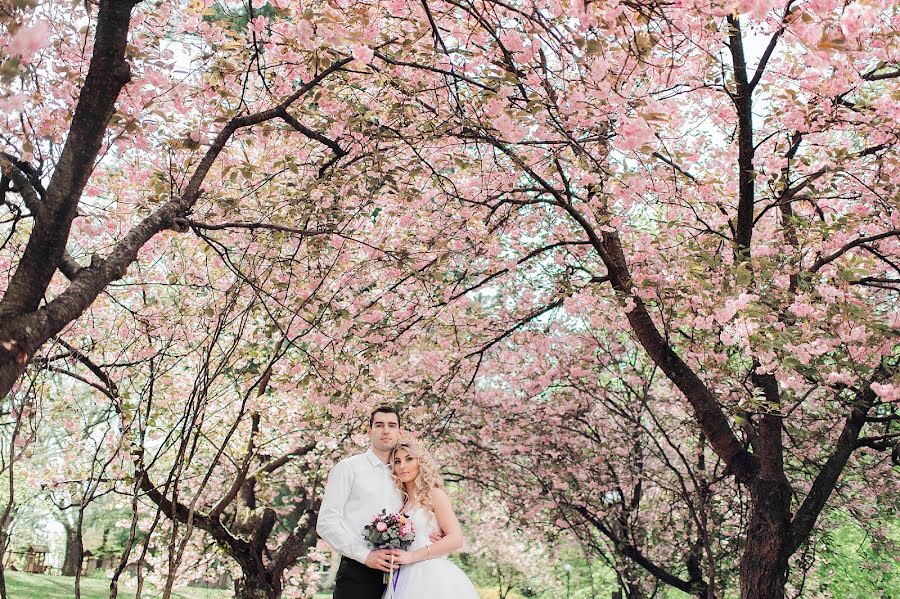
(384, 410)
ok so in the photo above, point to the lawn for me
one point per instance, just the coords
(42, 586)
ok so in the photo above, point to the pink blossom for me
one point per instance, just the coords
(888, 391)
(726, 313)
(509, 130)
(599, 69)
(757, 8)
(633, 134)
(801, 309)
(362, 53)
(843, 378)
(381, 526)
(258, 24)
(855, 20)
(512, 41)
(28, 40)
(305, 34)
(398, 8)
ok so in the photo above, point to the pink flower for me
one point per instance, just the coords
(398, 8)
(28, 40)
(306, 35)
(381, 526)
(887, 392)
(633, 133)
(362, 53)
(508, 128)
(757, 8)
(856, 20)
(258, 25)
(801, 309)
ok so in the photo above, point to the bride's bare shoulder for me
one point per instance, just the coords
(440, 497)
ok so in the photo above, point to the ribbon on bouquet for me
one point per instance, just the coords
(393, 577)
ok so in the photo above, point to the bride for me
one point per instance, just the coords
(425, 571)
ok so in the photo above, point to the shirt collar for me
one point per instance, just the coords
(373, 459)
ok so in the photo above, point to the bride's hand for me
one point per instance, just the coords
(403, 557)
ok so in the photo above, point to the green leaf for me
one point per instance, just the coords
(742, 275)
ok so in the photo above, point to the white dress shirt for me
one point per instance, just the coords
(358, 488)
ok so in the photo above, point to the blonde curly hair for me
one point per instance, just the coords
(429, 476)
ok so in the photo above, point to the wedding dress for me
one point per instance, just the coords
(437, 578)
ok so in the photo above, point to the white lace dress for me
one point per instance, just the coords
(437, 578)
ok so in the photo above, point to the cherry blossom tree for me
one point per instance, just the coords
(714, 179)
(604, 455)
(109, 106)
(371, 198)
(510, 557)
(248, 253)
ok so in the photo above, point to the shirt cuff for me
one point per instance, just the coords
(360, 553)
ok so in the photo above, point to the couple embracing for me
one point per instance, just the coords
(398, 477)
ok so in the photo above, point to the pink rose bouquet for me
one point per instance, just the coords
(390, 531)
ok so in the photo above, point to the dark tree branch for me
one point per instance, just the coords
(707, 411)
(790, 192)
(675, 166)
(299, 541)
(273, 465)
(179, 512)
(743, 102)
(20, 337)
(33, 201)
(533, 253)
(825, 481)
(773, 42)
(92, 366)
(694, 587)
(874, 75)
(518, 325)
(187, 222)
(107, 75)
(818, 264)
(240, 478)
(879, 443)
(312, 134)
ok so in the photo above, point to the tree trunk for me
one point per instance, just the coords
(72, 560)
(256, 587)
(3, 539)
(79, 548)
(764, 563)
(11, 368)
(633, 589)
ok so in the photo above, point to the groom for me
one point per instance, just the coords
(358, 488)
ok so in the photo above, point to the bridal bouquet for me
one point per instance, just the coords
(390, 531)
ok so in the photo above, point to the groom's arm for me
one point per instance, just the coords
(330, 525)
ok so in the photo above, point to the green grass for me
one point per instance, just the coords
(43, 586)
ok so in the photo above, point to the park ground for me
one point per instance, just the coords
(41, 586)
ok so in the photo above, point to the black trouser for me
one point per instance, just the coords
(356, 581)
